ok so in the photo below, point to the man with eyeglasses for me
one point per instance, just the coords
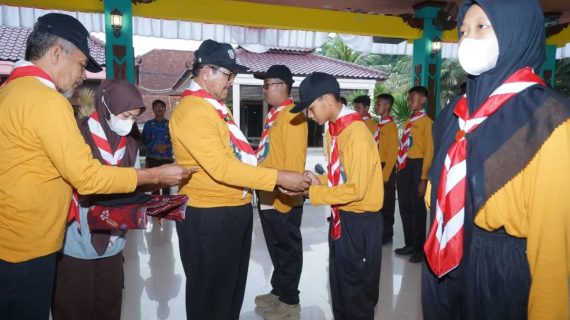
(215, 237)
(281, 214)
(43, 157)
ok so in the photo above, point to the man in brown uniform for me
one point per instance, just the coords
(283, 146)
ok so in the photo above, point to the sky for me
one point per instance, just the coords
(145, 44)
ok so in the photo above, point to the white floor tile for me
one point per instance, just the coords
(155, 281)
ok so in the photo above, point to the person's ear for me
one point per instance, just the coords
(205, 73)
(55, 54)
(329, 100)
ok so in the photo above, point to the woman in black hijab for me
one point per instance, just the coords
(499, 246)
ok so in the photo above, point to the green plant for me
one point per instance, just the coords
(452, 75)
(400, 111)
(562, 81)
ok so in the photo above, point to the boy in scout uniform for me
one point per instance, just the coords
(386, 137)
(362, 106)
(354, 189)
(414, 161)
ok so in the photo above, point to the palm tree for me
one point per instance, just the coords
(335, 48)
(400, 79)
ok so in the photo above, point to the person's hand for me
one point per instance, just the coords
(314, 179)
(292, 181)
(173, 174)
(422, 188)
(292, 193)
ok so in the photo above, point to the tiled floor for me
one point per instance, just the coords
(154, 278)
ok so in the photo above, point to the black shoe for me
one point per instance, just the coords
(417, 257)
(386, 241)
(404, 251)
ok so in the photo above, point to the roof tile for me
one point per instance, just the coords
(13, 44)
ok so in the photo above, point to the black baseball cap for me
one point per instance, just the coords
(70, 29)
(218, 54)
(314, 86)
(277, 71)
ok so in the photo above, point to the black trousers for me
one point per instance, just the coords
(354, 265)
(282, 233)
(215, 244)
(88, 289)
(389, 205)
(26, 288)
(412, 206)
(492, 282)
(151, 163)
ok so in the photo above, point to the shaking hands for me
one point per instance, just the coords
(293, 183)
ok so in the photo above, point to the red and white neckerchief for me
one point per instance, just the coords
(263, 149)
(98, 135)
(366, 116)
(336, 174)
(406, 141)
(25, 68)
(444, 245)
(238, 142)
(110, 157)
(381, 123)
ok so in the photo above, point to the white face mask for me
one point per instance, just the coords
(478, 55)
(121, 127)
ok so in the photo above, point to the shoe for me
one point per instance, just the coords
(404, 251)
(386, 241)
(417, 257)
(266, 301)
(281, 311)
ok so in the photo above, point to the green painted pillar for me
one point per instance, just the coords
(426, 66)
(119, 51)
(548, 68)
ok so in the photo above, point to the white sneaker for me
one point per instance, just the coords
(282, 311)
(266, 301)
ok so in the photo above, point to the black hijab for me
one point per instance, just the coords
(508, 140)
(519, 27)
(120, 96)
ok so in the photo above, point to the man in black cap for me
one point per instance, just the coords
(215, 237)
(354, 189)
(281, 214)
(43, 157)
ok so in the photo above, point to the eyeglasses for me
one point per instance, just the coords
(230, 75)
(266, 85)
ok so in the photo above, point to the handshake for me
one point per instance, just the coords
(294, 184)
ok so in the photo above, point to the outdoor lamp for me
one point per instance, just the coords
(116, 22)
(436, 46)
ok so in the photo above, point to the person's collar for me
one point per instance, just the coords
(343, 112)
(194, 86)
